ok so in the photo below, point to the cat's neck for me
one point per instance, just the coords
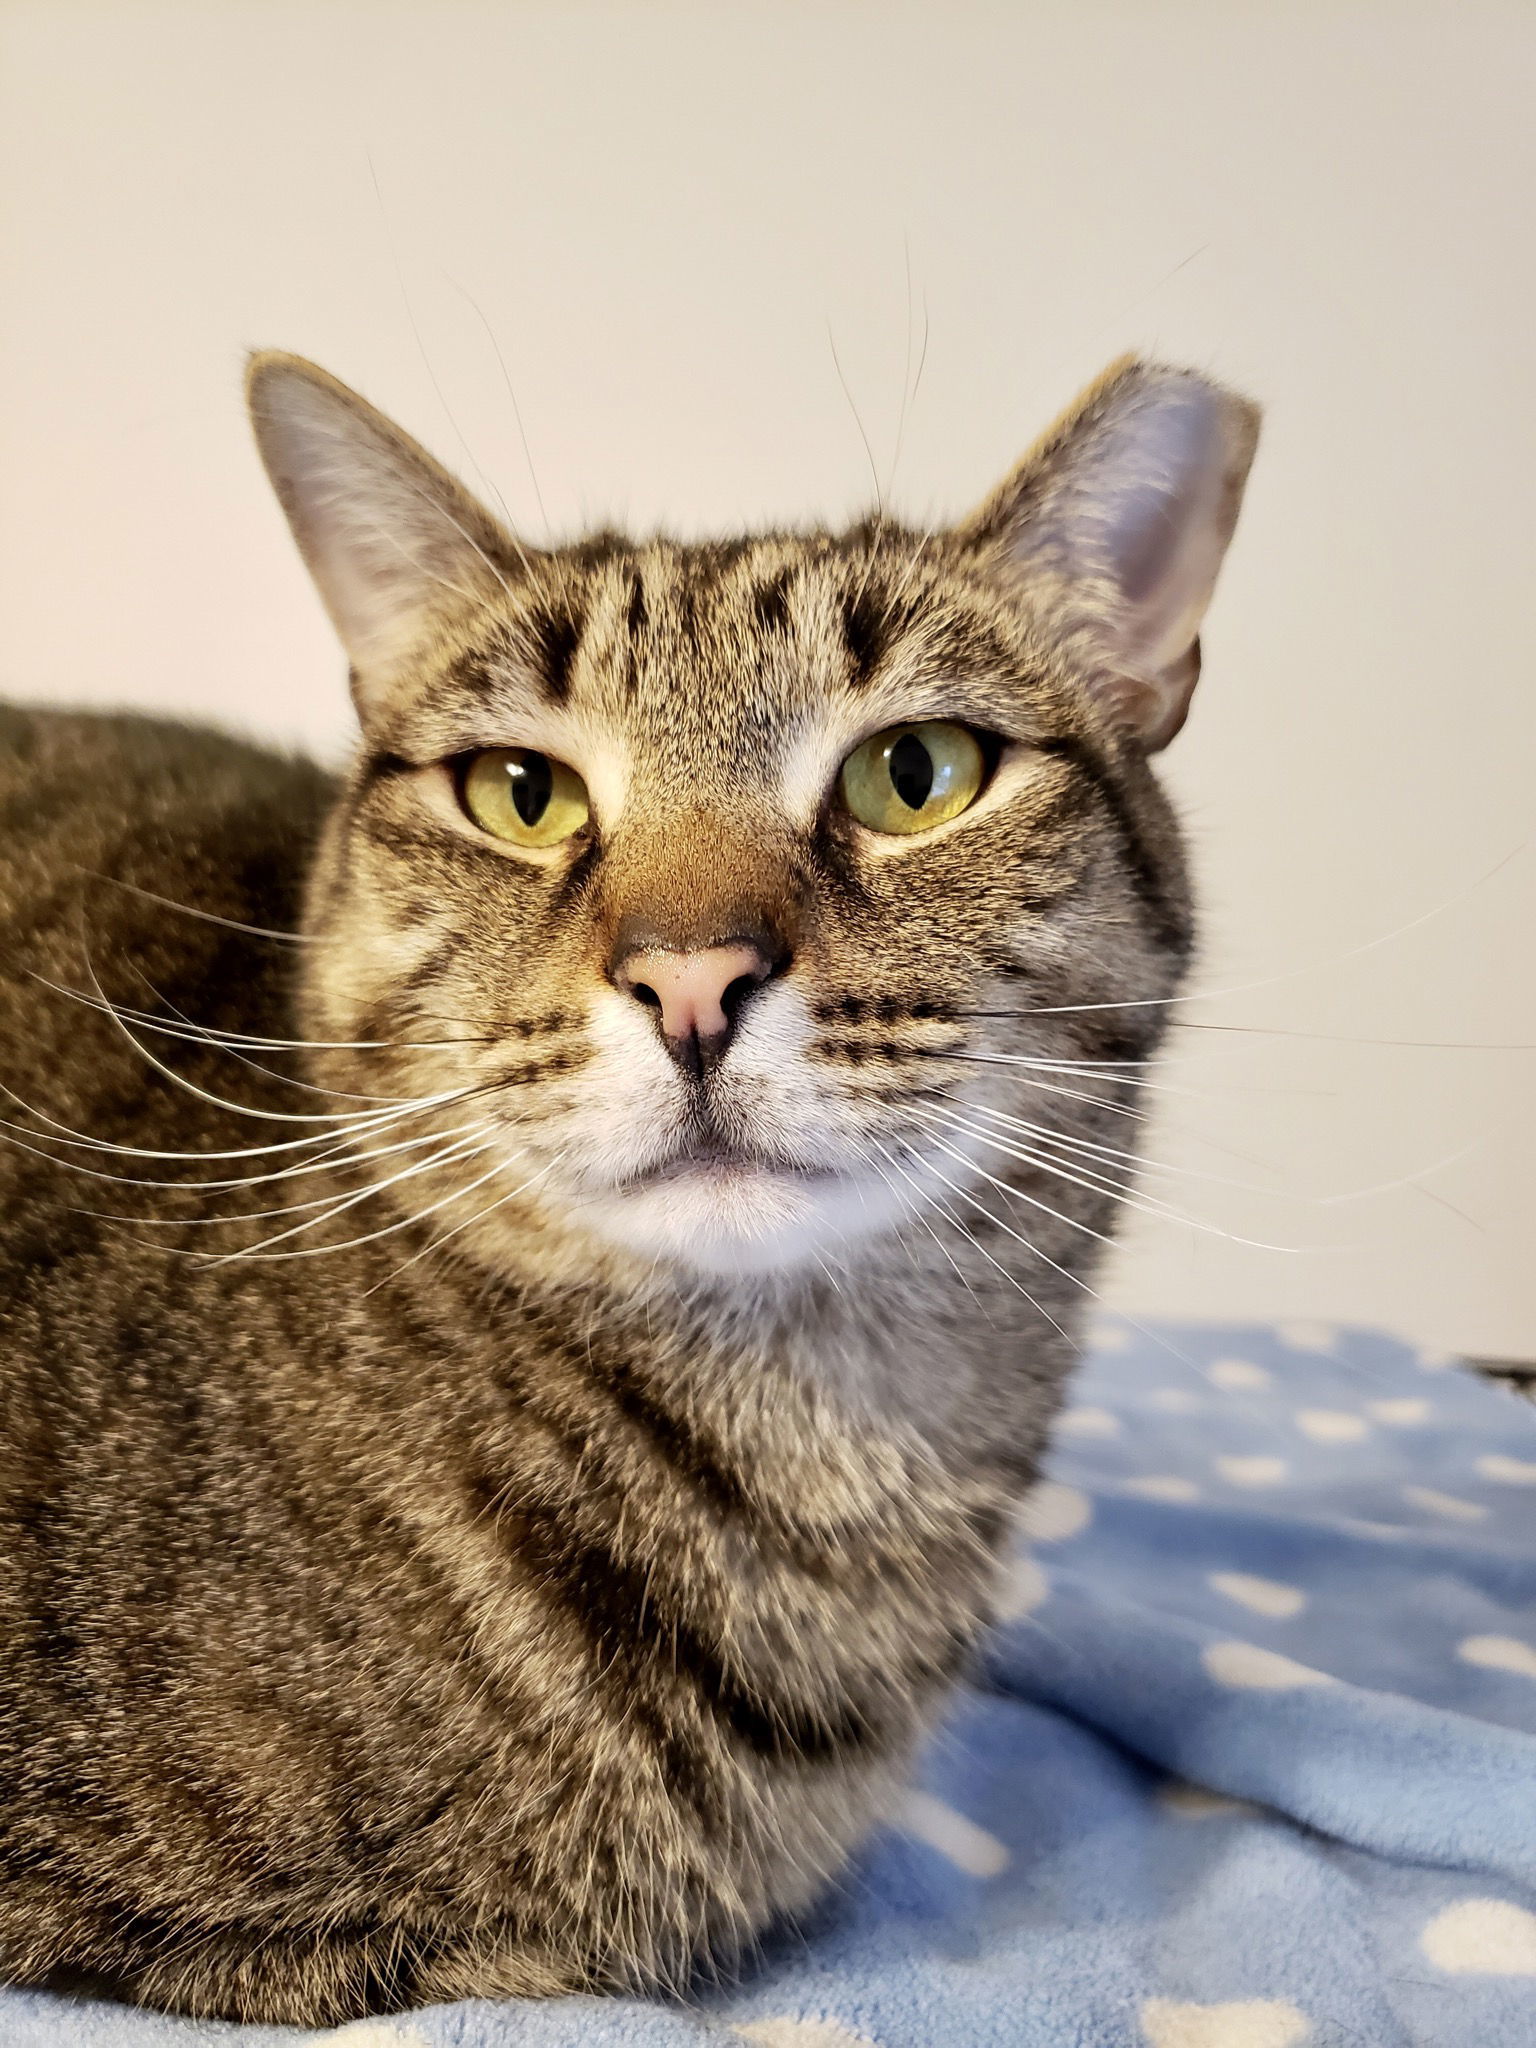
(900, 1351)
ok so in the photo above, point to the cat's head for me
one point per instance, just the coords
(724, 892)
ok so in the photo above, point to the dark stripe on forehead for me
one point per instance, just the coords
(770, 603)
(685, 609)
(473, 674)
(866, 635)
(555, 636)
(638, 616)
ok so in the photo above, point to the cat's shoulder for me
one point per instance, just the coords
(43, 749)
(191, 814)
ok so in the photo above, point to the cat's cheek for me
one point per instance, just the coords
(631, 1104)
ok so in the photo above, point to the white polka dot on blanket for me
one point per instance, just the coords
(1253, 1471)
(1400, 1414)
(1259, 1596)
(1237, 1375)
(967, 1846)
(1332, 1425)
(1024, 1587)
(1307, 1336)
(1199, 1802)
(1175, 1401)
(1251, 1669)
(1239, 2023)
(801, 2034)
(1110, 1337)
(375, 2034)
(1052, 1512)
(1447, 1505)
(1491, 1937)
(1507, 1471)
(1163, 1486)
(1499, 1653)
(1088, 1422)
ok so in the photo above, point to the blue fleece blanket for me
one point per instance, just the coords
(1252, 1763)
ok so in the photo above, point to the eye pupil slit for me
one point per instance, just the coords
(911, 770)
(532, 785)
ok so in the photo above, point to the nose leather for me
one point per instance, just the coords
(696, 994)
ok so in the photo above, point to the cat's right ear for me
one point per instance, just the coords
(1117, 521)
(395, 545)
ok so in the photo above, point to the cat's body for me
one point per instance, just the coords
(550, 1587)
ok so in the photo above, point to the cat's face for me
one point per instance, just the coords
(715, 888)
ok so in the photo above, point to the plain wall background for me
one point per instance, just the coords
(666, 215)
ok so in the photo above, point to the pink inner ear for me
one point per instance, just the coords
(1148, 526)
(1163, 536)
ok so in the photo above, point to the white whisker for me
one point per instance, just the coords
(1200, 995)
(1095, 1182)
(1012, 1278)
(1058, 1215)
(189, 1032)
(1048, 1087)
(478, 1217)
(467, 1148)
(1113, 1154)
(211, 1034)
(924, 1202)
(218, 1101)
(76, 1140)
(335, 1163)
(321, 1250)
(1088, 1070)
(233, 924)
(517, 411)
(335, 1154)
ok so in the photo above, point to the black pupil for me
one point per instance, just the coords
(532, 785)
(911, 771)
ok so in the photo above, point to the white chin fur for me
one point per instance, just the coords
(742, 1220)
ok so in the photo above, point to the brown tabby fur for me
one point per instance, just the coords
(544, 1611)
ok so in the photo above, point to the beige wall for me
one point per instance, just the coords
(660, 211)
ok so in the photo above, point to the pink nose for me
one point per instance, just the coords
(697, 994)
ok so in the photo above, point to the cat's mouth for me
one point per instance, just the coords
(728, 1204)
(712, 1159)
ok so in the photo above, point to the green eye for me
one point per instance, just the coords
(913, 777)
(523, 797)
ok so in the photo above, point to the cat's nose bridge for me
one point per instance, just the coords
(696, 921)
(691, 882)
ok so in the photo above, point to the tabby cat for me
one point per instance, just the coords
(535, 1277)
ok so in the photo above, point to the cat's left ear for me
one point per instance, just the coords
(1117, 521)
